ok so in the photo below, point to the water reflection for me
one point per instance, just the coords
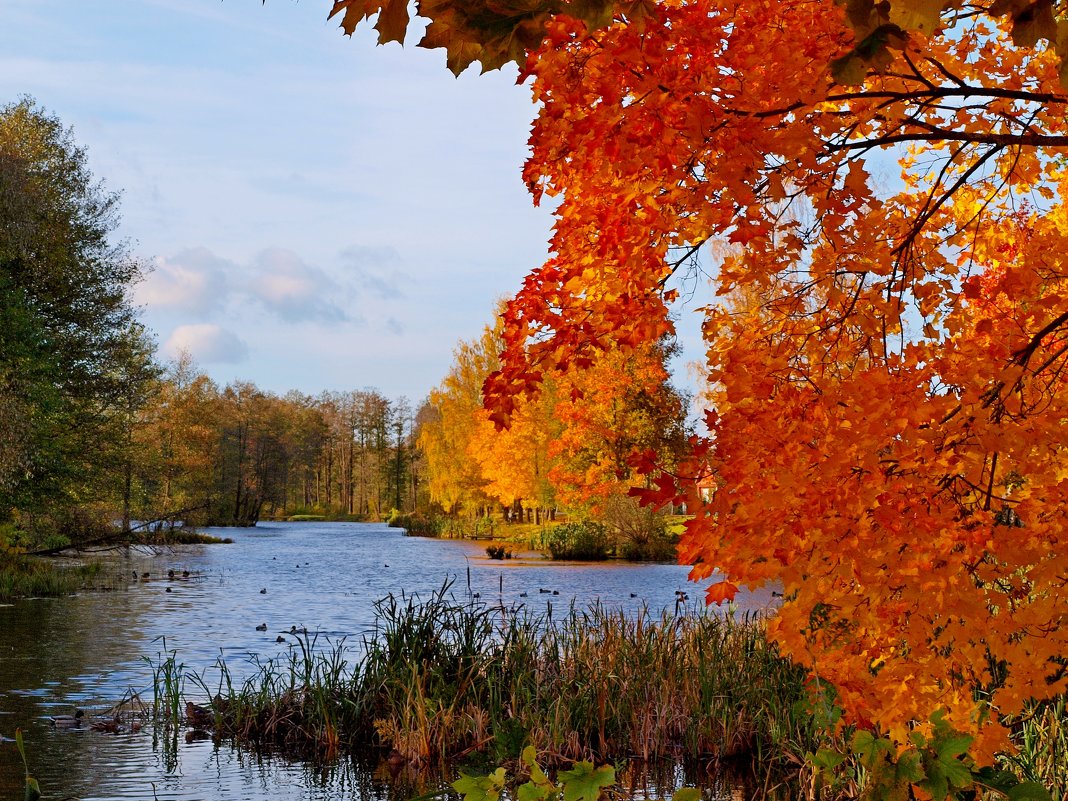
(87, 651)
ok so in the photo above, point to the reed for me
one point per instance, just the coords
(169, 677)
(26, 577)
(441, 678)
(1041, 739)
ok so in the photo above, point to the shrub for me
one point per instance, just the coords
(416, 524)
(584, 541)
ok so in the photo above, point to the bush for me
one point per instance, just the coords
(641, 533)
(416, 524)
(582, 541)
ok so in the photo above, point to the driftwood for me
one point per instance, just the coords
(119, 538)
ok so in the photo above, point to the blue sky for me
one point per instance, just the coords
(321, 213)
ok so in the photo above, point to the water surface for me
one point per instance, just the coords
(88, 650)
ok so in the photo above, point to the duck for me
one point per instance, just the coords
(199, 717)
(110, 725)
(263, 591)
(68, 721)
(261, 627)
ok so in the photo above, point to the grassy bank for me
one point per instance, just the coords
(180, 536)
(442, 679)
(26, 577)
(440, 682)
(584, 540)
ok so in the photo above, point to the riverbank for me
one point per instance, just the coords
(85, 651)
(563, 539)
(43, 574)
(442, 684)
(442, 680)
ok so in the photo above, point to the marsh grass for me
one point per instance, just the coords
(169, 677)
(28, 577)
(441, 679)
(1041, 739)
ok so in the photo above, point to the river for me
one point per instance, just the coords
(86, 651)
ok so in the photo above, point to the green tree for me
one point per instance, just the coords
(65, 317)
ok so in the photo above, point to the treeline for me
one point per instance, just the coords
(97, 437)
(574, 447)
(233, 455)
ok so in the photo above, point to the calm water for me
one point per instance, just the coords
(87, 651)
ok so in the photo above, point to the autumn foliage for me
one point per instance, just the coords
(570, 446)
(888, 403)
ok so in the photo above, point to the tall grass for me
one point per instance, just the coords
(440, 679)
(1041, 739)
(27, 577)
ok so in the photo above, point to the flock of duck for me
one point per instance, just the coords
(111, 722)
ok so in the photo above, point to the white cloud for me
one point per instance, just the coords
(193, 283)
(292, 289)
(206, 342)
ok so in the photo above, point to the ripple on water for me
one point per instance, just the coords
(89, 650)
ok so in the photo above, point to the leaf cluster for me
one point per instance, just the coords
(582, 782)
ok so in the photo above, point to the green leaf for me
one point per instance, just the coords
(1029, 791)
(584, 782)
(953, 746)
(826, 759)
(480, 788)
(909, 769)
(533, 792)
(687, 794)
(862, 742)
(936, 782)
(33, 790)
(529, 758)
(1000, 780)
(957, 773)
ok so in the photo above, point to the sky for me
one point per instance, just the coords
(318, 213)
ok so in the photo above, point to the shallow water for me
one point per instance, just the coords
(88, 650)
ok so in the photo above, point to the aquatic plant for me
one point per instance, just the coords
(26, 576)
(168, 685)
(441, 679)
(32, 788)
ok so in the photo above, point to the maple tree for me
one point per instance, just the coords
(887, 414)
